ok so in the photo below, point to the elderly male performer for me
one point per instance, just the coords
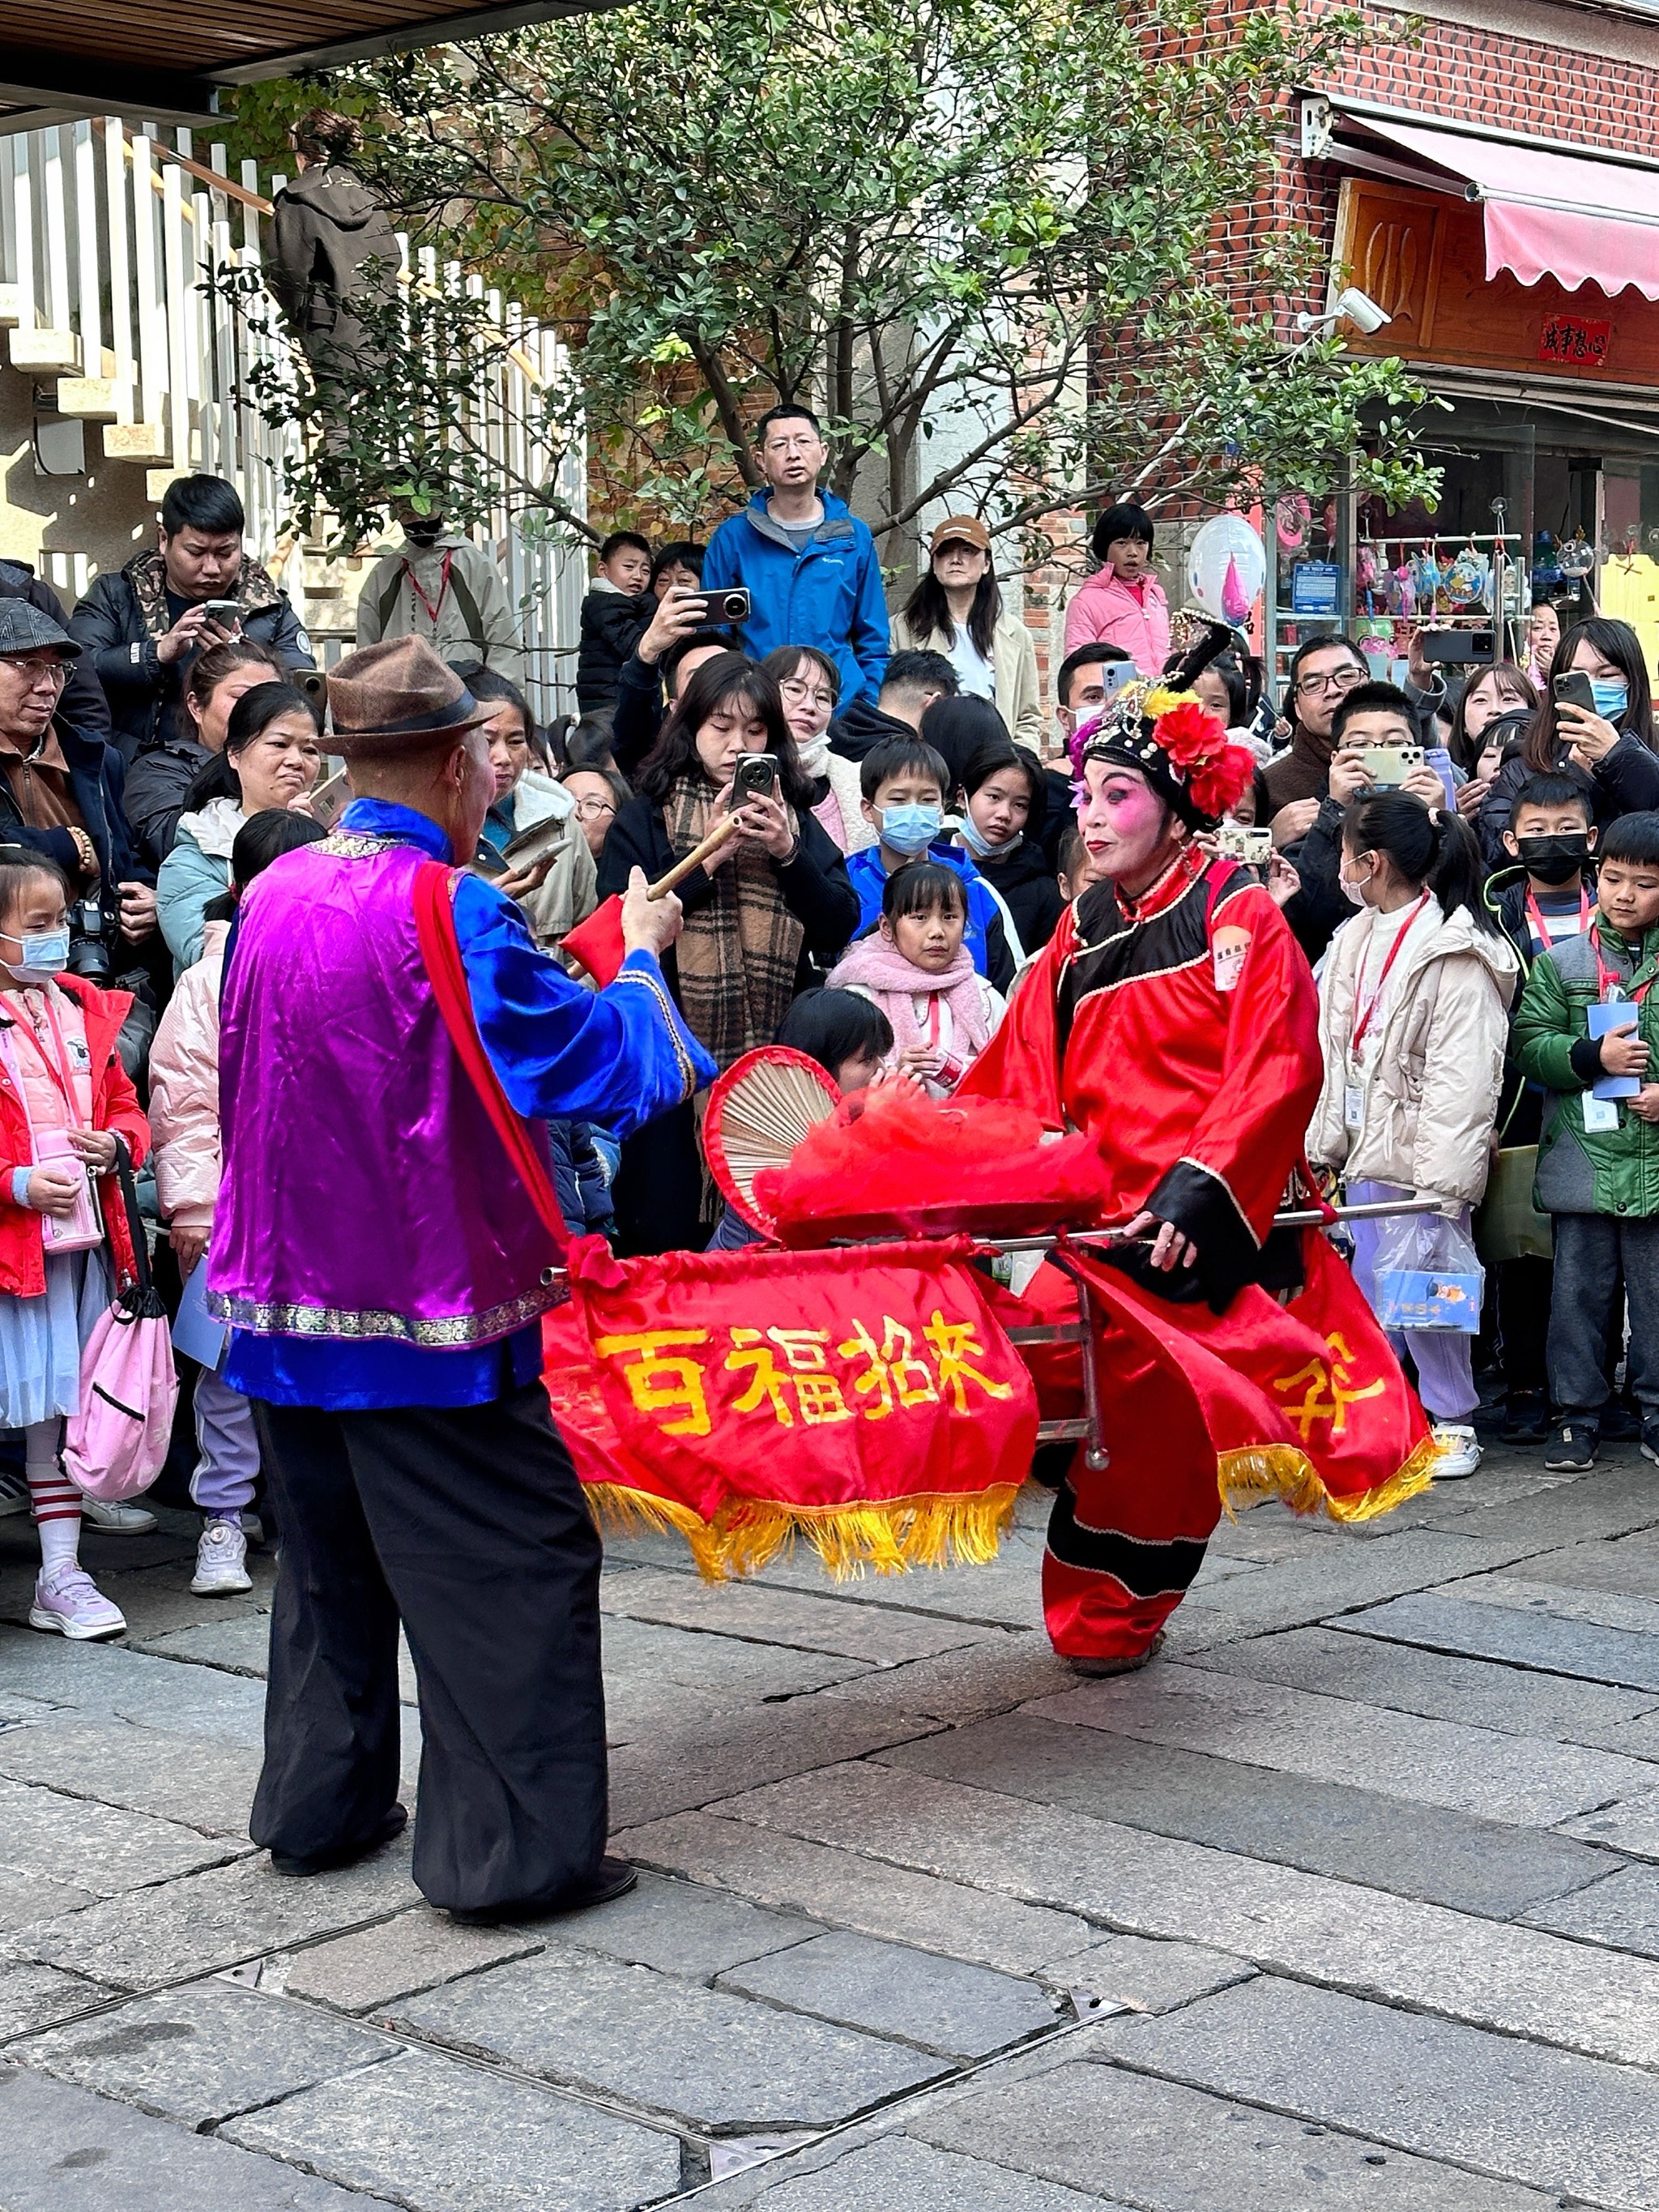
(384, 1269)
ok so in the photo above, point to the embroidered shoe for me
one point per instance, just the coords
(1458, 1451)
(118, 1520)
(1130, 1665)
(1571, 1448)
(221, 1560)
(68, 1602)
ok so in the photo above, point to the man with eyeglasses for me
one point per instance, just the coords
(59, 786)
(808, 563)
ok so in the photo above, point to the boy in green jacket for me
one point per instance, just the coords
(1598, 1159)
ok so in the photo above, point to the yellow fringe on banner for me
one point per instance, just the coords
(1285, 1472)
(938, 1530)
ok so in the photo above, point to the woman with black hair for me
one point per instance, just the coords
(556, 895)
(1607, 751)
(1002, 802)
(1123, 602)
(1413, 1005)
(957, 610)
(273, 750)
(771, 902)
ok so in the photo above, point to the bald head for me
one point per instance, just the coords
(450, 781)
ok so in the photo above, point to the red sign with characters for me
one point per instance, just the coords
(867, 1398)
(1575, 341)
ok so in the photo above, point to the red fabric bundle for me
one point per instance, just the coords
(892, 1162)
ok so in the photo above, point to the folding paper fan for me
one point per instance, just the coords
(758, 1112)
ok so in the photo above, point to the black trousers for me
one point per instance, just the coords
(467, 1523)
(1593, 1252)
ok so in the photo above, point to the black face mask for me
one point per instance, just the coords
(423, 533)
(1554, 859)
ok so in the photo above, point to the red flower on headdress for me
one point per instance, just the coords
(1217, 786)
(1190, 734)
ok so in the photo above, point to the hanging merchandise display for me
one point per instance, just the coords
(1576, 557)
(1226, 569)
(1291, 516)
(1468, 579)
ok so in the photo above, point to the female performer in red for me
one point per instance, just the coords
(1172, 1016)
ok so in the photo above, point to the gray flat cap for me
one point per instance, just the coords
(24, 628)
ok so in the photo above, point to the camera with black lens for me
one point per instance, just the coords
(89, 932)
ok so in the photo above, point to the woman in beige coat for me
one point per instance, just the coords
(957, 610)
(1414, 1004)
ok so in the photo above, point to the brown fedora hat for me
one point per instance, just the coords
(396, 690)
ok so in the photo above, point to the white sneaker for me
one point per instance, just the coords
(13, 1493)
(68, 1602)
(1459, 1450)
(120, 1520)
(221, 1560)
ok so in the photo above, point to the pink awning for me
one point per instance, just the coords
(1574, 217)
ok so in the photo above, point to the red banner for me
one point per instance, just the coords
(867, 1398)
(1305, 1401)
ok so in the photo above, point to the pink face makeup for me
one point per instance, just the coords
(1121, 819)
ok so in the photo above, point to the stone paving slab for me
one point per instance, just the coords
(1358, 1835)
(1633, 1827)
(1170, 2148)
(94, 1847)
(841, 1886)
(63, 2149)
(156, 1599)
(1005, 1595)
(438, 2137)
(1476, 1693)
(38, 1997)
(1603, 1608)
(1505, 2107)
(1529, 1782)
(680, 1927)
(1518, 1980)
(1298, 1590)
(1622, 1911)
(1147, 1976)
(882, 1635)
(101, 1678)
(730, 1667)
(396, 1958)
(701, 2057)
(943, 2004)
(28, 1897)
(899, 2174)
(201, 2053)
(217, 1919)
(200, 1784)
(1628, 1564)
(1521, 1638)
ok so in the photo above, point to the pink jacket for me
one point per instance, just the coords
(1107, 612)
(184, 1090)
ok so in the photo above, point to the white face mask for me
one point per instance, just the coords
(815, 757)
(1353, 887)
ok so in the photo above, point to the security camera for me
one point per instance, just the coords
(1353, 306)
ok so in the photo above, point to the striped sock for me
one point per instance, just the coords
(56, 1503)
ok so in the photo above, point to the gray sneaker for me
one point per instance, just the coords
(13, 1493)
(118, 1520)
(221, 1560)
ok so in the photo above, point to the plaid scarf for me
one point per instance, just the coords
(737, 954)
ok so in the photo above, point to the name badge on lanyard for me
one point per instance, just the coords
(1353, 1109)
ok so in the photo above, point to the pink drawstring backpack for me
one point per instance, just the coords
(115, 1446)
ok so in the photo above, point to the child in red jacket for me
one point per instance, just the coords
(64, 1101)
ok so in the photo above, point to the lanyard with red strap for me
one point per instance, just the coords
(432, 609)
(1372, 1003)
(1609, 989)
(62, 1076)
(1541, 935)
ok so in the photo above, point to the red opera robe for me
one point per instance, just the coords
(1180, 1030)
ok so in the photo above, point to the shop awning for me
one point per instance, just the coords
(1577, 218)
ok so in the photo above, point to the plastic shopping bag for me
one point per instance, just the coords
(1428, 1274)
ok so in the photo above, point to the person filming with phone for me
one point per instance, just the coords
(771, 900)
(143, 625)
(1593, 725)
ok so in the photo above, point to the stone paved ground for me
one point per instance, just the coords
(1350, 1904)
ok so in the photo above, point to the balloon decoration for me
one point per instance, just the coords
(1226, 569)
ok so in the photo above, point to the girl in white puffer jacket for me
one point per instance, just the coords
(1413, 1005)
(184, 1108)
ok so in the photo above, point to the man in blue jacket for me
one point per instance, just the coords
(808, 566)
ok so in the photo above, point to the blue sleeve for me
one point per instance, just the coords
(621, 1056)
(719, 562)
(871, 639)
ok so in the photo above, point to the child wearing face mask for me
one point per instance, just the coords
(1412, 1003)
(916, 968)
(65, 1100)
(1544, 899)
(903, 782)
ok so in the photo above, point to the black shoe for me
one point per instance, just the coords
(347, 1854)
(614, 1878)
(1100, 1668)
(1620, 1424)
(1571, 1448)
(1651, 1438)
(1526, 1418)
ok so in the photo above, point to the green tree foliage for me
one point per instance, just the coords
(987, 239)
